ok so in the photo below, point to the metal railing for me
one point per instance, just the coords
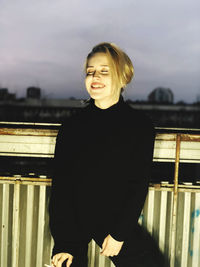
(171, 212)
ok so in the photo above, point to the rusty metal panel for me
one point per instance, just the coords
(32, 146)
(190, 151)
(164, 150)
(28, 132)
(30, 142)
(41, 143)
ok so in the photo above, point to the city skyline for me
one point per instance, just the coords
(44, 44)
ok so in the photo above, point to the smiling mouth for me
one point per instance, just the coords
(97, 86)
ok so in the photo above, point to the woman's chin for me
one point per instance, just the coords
(95, 95)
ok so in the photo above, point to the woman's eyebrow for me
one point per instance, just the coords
(100, 65)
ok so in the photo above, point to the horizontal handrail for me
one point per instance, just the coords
(40, 142)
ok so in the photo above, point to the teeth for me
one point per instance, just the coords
(97, 86)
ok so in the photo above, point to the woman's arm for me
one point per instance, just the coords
(61, 220)
(137, 186)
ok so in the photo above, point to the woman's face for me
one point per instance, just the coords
(98, 79)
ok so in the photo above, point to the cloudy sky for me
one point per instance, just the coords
(44, 43)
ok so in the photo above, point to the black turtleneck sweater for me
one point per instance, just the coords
(101, 174)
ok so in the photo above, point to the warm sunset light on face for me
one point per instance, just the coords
(98, 77)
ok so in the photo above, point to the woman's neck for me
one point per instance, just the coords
(106, 103)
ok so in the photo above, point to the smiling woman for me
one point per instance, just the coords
(99, 81)
(102, 166)
(108, 71)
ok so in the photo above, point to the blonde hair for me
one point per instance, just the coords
(122, 69)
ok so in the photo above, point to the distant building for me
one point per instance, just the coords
(5, 95)
(33, 92)
(198, 99)
(161, 95)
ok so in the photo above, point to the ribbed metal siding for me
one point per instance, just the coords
(188, 229)
(26, 240)
(25, 237)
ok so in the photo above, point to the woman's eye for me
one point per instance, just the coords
(90, 72)
(104, 71)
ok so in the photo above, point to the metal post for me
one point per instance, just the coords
(5, 220)
(15, 227)
(175, 197)
(41, 223)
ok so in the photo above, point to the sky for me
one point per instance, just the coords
(45, 42)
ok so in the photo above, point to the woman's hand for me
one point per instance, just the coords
(59, 258)
(111, 247)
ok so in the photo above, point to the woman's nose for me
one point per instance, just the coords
(96, 74)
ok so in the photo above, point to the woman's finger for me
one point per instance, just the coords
(59, 263)
(62, 259)
(69, 261)
(106, 252)
(56, 258)
(109, 253)
(104, 245)
(59, 258)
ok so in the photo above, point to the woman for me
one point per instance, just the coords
(102, 166)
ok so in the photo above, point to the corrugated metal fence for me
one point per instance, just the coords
(171, 212)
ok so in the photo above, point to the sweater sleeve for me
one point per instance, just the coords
(61, 220)
(137, 185)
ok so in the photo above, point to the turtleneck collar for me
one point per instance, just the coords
(113, 107)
